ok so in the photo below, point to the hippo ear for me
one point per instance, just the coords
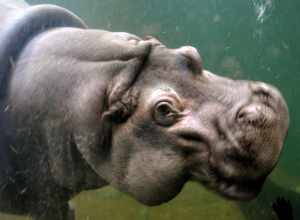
(121, 83)
(121, 99)
(153, 40)
(120, 102)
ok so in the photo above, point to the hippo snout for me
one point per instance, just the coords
(260, 110)
(246, 140)
(255, 115)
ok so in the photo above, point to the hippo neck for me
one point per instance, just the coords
(22, 26)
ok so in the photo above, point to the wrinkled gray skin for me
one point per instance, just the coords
(85, 108)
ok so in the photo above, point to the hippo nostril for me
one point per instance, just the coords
(256, 115)
(241, 115)
(249, 114)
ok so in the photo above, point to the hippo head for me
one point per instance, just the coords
(176, 122)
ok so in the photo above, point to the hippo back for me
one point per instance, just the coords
(7, 6)
(19, 23)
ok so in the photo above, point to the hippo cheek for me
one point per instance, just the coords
(153, 177)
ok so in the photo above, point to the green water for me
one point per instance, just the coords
(250, 39)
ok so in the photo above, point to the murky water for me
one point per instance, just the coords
(250, 39)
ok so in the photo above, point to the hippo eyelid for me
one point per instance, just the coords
(165, 113)
(162, 104)
(172, 98)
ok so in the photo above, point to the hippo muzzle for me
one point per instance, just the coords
(244, 141)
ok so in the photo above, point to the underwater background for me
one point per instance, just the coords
(245, 39)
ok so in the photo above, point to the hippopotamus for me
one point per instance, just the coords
(84, 108)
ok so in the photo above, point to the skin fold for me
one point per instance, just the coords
(84, 108)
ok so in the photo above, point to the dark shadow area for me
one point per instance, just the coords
(283, 208)
(261, 208)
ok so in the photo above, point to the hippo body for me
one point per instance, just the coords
(84, 108)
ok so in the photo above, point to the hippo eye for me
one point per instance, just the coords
(165, 113)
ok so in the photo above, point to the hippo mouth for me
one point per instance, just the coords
(233, 189)
(238, 190)
(234, 176)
